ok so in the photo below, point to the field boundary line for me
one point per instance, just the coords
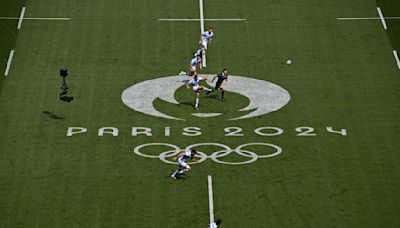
(10, 58)
(382, 17)
(21, 18)
(396, 56)
(210, 199)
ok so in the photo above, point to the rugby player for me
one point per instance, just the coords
(206, 37)
(218, 85)
(215, 224)
(194, 63)
(182, 165)
(195, 83)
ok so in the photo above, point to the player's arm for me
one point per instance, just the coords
(201, 66)
(213, 78)
(187, 84)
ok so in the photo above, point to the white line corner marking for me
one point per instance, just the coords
(10, 57)
(382, 17)
(396, 56)
(210, 199)
(21, 18)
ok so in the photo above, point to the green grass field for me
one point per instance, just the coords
(343, 75)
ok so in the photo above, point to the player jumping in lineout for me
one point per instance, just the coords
(218, 85)
(182, 165)
(215, 224)
(194, 63)
(195, 83)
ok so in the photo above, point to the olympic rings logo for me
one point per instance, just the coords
(215, 156)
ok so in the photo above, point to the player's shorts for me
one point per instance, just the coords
(217, 86)
(183, 164)
(204, 43)
(195, 88)
(192, 69)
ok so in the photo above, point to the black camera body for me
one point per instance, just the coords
(64, 87)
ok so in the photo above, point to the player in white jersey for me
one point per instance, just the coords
(206, 37)
(182, 165)
(199, 52)
(194, 63)
(215, 224)
(195, 83)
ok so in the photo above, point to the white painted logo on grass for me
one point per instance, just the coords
(265, 97)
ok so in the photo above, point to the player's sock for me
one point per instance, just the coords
(183, 170)
(182, 73)
(222, 94)
(197, 103)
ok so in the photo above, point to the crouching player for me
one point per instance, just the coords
(182, 165)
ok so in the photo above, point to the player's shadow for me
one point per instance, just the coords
(214, 96)
(53, 116)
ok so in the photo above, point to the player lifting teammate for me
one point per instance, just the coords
(182, 165)
(195, 83)
(220, 79)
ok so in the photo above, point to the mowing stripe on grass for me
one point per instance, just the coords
(210, 199)
(21, 18)
(10, 57)
(382, 17)
(396, 56)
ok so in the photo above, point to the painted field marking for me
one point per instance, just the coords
(381, 17)
(10, 58)
(21, 18)
(197, 19)
(38, 18)
(367, 18)
(204, 55)
(202, 20)
(396, 56)
(210, 199)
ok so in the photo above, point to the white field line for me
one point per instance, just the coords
(201, 16)
(10, 57)
(204, 56)
(367, 18)
(396, 56)
(21, 18)
(210, 199)
(382, 17)
(38, 18)
(197, 19)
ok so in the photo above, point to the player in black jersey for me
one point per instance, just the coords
(220, 79)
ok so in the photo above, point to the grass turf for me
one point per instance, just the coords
(343, 75)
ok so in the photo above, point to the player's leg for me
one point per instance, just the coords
(185, 168)
(197, 99)
(222, 92)
(173, 175)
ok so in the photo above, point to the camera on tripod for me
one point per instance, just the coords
(64, 87)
